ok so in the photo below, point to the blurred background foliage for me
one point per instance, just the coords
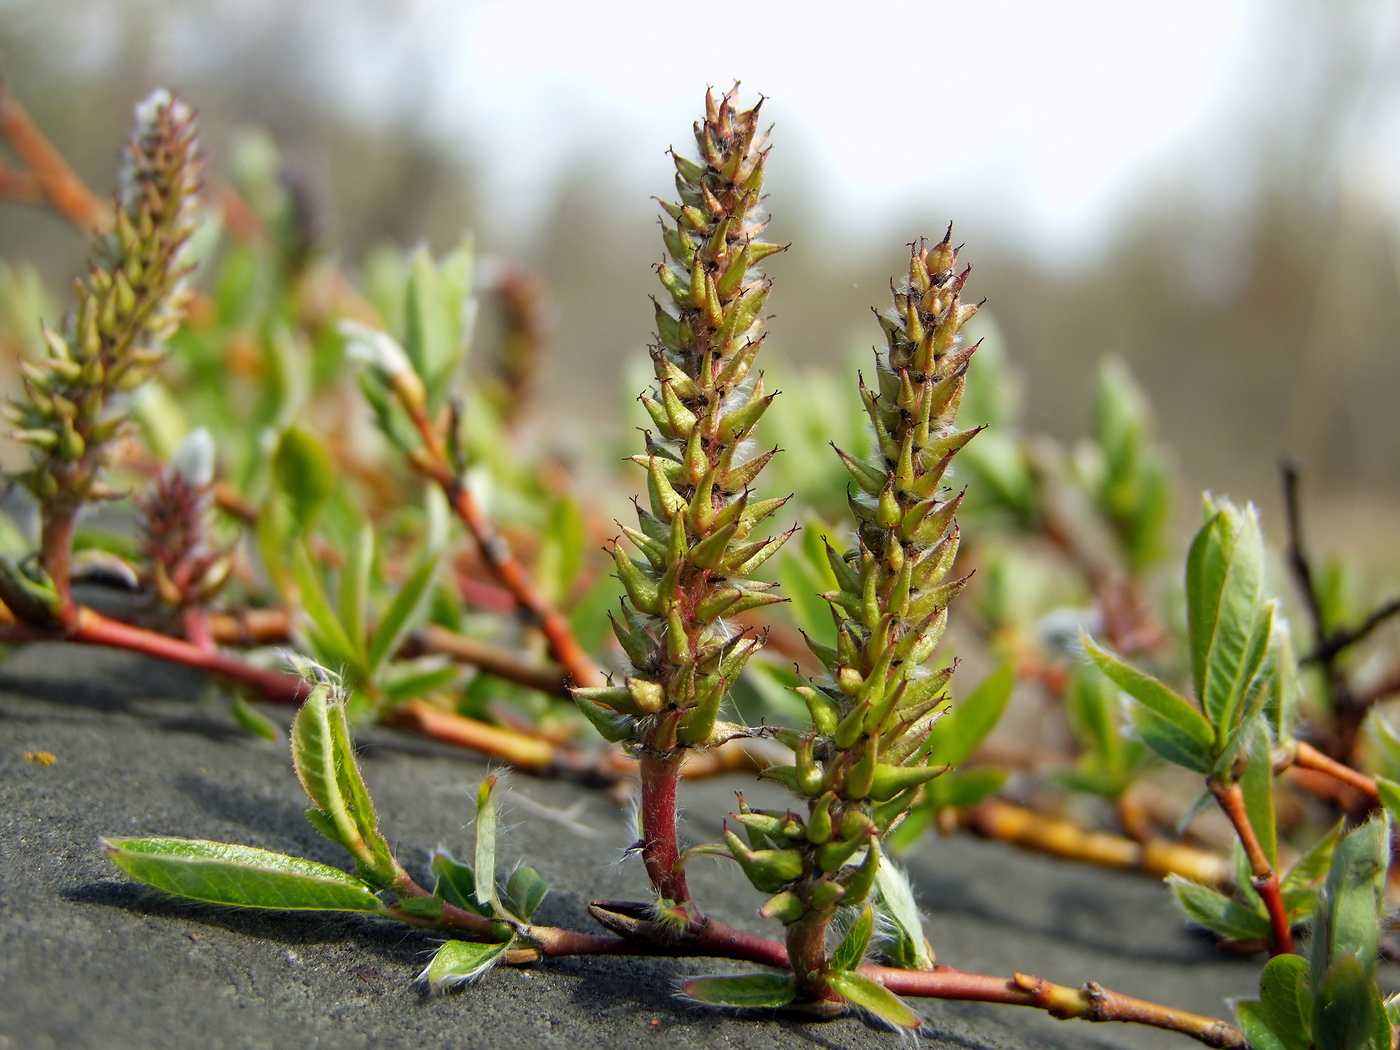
(1259, 309)
(1249, 295)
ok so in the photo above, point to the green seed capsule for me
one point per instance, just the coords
(786, 907)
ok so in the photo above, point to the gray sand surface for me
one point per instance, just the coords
(90, 959)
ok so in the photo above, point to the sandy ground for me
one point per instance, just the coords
(89, 959)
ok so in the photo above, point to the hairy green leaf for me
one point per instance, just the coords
(240, 875)
(1354, 898)
(1224, 588)
(870, 995)
(851, 951)
(1173, 728)
(1285, 996)
(325, 764)
(750, 991)
(897, 904)
(1250, 1015)
(460, 962)
(1170, 740)
(524, 891)
(1257, 785)
(1220, 914)
(1344, 1016)
(485, 859)
(455, 883)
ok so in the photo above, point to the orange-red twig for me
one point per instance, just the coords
(1309, 757)
(1231, 800)
(54, 178)
(433, 463)
(88, 627)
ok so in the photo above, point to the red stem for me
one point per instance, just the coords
(1266, 883)
(562, 644)
(88, 627)
(1092, 1002)
(660, 771)
(1309, 757)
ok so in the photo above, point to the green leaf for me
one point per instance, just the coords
(414, 678)
(1388, 745)
(485, 859)
(524, 891)
(1173, 728)
(851, 950)
(1389, 793)
(1284, 688)
(1354, 897)
(1170, 741)
(325, 764)
(460, 962)
(1250, 1015)
(967, 789)
(1220, 914)
(1344, 1017)
(1257, 784)
(1313, 864)
(751, 991)
(956, 735)
(1091, 703)
(1285, 996)
(303, 471)
(421, 907)
(431, 322)
(334, 647)
(897, 904)
(240, 875)
(455, 883)
(869, 995)
(1224, 588)
(409, 609)
(561, 551)
(804, 583)
(253, 720)
(354, 584)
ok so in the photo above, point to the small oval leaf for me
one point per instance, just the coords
(869, 995)
(752, 991)
(221, 873)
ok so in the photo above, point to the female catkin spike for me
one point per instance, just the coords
(696, 534)
(861, 766)
(132, 298)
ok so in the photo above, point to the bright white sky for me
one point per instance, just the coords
(1043, 112)
(1049, 118)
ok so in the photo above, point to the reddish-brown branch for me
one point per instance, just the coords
(1092, 1002)
(1231, 800)
(493, 660)
(57, 181)
(1089, 1003)
(88, 627)
(660, 772)
(20, 186)
(1309, 757)
(433, 462)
